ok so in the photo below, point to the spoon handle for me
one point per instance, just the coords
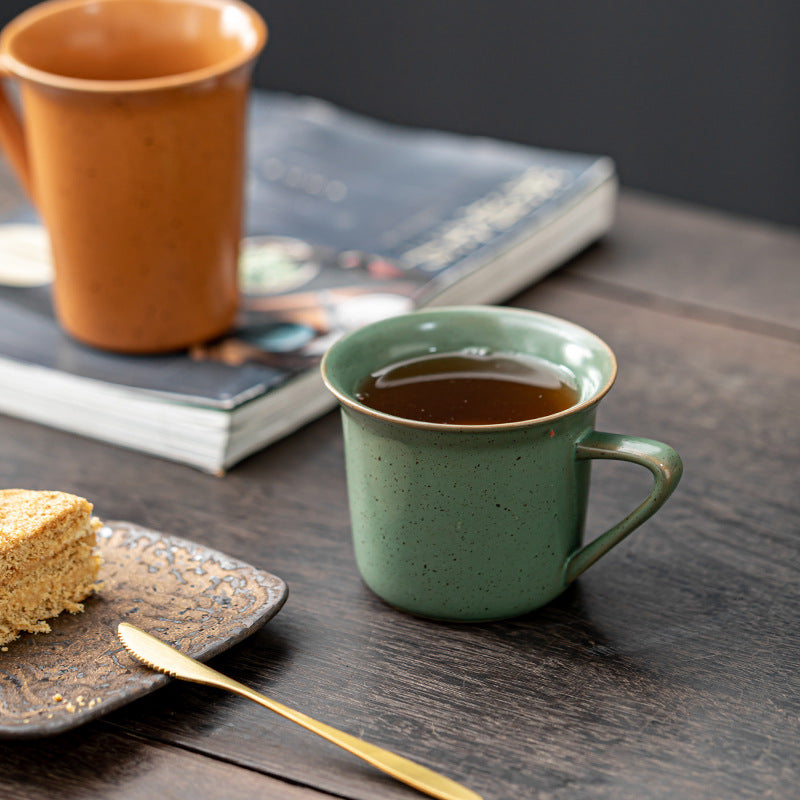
(162, 657)
(403, 769)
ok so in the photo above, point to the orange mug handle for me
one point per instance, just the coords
(12, 137)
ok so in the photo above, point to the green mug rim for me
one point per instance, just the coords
(352, 403)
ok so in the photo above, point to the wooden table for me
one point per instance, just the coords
(672, 668)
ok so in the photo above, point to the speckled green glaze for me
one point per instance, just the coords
(483, 522)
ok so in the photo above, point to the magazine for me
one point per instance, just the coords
(349, 220)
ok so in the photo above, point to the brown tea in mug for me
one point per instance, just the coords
(474, 386)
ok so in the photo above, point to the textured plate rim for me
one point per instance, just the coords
(157, 679)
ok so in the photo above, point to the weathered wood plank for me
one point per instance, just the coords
(670, 670)
(98, 765)
(707, 260)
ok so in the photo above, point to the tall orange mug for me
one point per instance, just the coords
(131, 144)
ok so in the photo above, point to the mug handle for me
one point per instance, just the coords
(12, 137)
(659, 458)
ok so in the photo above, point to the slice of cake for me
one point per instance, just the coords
(47, 559)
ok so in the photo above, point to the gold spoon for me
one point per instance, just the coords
(162, 657)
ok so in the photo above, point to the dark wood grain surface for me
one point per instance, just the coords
(669, 670)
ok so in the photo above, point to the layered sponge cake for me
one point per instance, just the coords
(47, 559)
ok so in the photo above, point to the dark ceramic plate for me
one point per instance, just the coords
(198, 599)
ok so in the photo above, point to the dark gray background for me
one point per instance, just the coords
(695, 99)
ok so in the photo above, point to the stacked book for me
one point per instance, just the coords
(349, 220)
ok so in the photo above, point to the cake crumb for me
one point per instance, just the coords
(57, 698)
(4, 649)
(49, 716)
(92, 703)
(80, 701)
(71, 708)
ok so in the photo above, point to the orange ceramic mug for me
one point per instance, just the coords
(132, 147)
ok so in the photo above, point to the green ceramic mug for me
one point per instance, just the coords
(480, 522)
